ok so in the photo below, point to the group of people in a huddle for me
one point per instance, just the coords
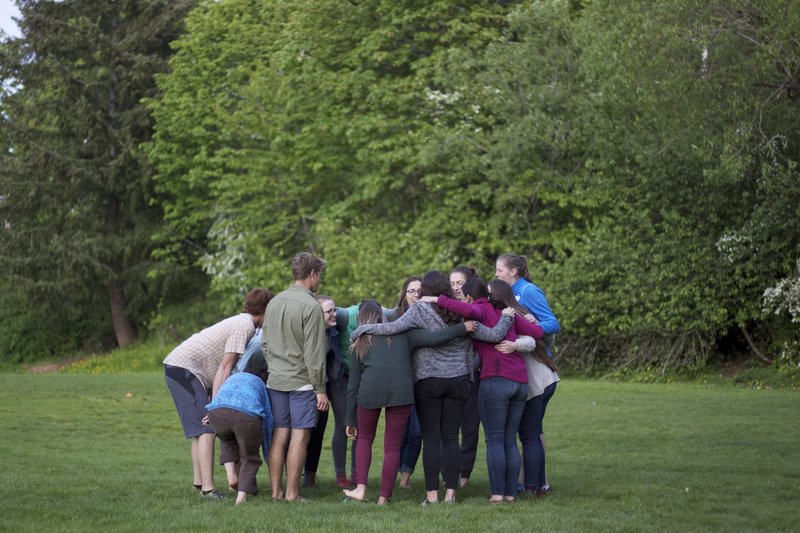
(452, 354)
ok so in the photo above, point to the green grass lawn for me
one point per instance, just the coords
(79, 455)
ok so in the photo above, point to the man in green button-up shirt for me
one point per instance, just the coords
(295, 347)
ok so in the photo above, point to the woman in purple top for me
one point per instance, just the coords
(503, 390)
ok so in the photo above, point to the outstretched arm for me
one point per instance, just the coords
(495, 334)
(523, 327)
(420, 337)
(410, 319)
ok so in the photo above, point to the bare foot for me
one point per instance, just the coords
(241, 497)
(357, 493)
(463, 482)
(383, 501)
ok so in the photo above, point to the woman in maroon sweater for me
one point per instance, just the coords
(503, 389)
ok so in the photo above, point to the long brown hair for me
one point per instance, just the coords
(402, 302)
(369, 312)
(540, 354)
(501, 296)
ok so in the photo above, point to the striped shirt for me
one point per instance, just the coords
(201, 354)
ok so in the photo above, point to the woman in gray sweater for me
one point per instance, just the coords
(380, 377)
(441, 383)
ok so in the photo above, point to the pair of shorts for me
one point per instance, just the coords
(294, 409)
(190, 397)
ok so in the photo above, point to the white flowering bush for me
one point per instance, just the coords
(784, 297)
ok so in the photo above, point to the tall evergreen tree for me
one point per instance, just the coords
(76, 191)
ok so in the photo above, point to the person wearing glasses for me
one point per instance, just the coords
(336, 388)
(412, 439)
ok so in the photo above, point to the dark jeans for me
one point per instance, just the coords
(470, 431)
(412, 443)
(396, 419)
(240, 438)
(441, 403)
(314, 446)
(501, 403)
(530, 432)
(337, 397)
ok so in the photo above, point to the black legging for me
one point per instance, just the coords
(440, 404)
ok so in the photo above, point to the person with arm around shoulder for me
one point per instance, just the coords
(381, 378)
(513, 269)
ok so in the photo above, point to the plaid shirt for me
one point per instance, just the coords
(201, 354)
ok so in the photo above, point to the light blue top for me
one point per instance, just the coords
(532, 298)
(243, 392)
(253, 356)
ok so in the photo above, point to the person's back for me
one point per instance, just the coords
(295, 344)
(295, 347)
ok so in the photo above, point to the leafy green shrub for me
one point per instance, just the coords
(26, 332)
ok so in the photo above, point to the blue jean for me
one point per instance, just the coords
(337, 398)
(501, 402)
(530, 432)
(412, 443)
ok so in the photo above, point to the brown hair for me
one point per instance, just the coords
(256, 301)
(540, 354)
(304, 263)
(468, 272)
(434, 283)
(518, 262)
(369, 312)
(501, 296)
(402, 303)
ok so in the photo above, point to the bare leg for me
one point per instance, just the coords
(450, 495)
(295, 460)
(232, 471)
(276, 460)
(405, 479)
(197, 480)
(205, 459)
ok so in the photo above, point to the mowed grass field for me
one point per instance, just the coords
(106, 453)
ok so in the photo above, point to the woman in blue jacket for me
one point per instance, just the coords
(513, 269)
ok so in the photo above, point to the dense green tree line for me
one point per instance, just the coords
(643, 156)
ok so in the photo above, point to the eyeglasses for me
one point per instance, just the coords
(414, 291)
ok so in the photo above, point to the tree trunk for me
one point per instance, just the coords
(754, 347)
(123, 328)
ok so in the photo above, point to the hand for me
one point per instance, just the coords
(322, 401)
(509, 311)
(429, 299)
(530, 318)
(471, 325)
(352, 432)
(205, 421)
(506, 347)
